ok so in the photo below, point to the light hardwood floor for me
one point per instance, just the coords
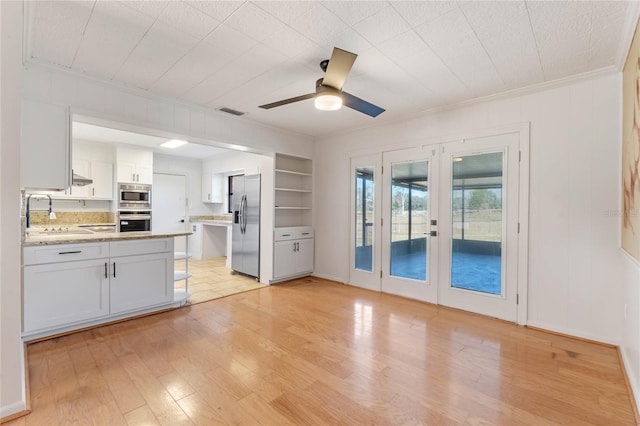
(211, 279)
(315, 352)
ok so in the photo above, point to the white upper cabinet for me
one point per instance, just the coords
(213, 188)
(102, 175)
(93, 160)
(134, 165)
(45, 146)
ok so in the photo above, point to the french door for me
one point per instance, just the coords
(409, 203)
(439, 223)
(365, 222)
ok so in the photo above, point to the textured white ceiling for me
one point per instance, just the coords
(413, 56)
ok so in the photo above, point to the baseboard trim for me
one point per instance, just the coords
(571, 334)
(14, 416)
(328, 278)
(632, 389)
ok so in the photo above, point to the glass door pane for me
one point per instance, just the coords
(364, 219)
(409, 220)
(477, 220)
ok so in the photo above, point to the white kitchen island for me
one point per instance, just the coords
(72, 282)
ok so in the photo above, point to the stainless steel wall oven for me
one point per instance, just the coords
(134, 221)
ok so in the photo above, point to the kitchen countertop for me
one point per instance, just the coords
(214, 222)
(45, 240)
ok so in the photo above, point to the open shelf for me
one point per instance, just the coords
(292, 208)
(180, 255)
(291, 172)
(180, 295)
(293, 187)
(293, 190)
(181, 275)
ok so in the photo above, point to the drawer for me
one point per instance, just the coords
(284, 234)
(144, 246)
(304, 232)
(36, 255)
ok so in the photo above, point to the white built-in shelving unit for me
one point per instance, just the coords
(293, 234)
(293, 191)
(182, 294)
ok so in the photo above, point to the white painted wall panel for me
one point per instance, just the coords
(140, 109)
(12, 368)
(575, 283)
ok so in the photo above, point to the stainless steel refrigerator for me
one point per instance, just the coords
(245, 235)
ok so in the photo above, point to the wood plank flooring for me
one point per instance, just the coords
(316, 352)
(211, 279)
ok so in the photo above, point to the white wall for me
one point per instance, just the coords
(12, 389)
(630, 345)
(574, 262)
(143, 112)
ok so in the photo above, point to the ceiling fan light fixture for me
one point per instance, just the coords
(328, 102)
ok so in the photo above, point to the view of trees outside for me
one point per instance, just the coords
(400, 211)
(482, 216)
(364, 182)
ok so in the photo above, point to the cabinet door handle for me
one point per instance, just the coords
(106, 274)
(114, 269)
(70, 252)
(93, 192)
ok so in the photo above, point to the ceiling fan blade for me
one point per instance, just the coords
(338, 69)
(288, 101)
(361, 105)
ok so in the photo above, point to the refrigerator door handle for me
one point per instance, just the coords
(243, 206)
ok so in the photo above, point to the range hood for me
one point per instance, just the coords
(80, 180)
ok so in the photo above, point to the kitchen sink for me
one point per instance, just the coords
(98, 228)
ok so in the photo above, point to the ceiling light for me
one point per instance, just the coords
(328, 102)
(173, 143)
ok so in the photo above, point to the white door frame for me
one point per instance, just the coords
(358, 277)
(523, 130)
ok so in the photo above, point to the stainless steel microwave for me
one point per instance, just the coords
(134, 196)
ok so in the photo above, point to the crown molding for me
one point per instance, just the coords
(513, 93)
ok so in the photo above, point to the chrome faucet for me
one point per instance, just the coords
(52, 215)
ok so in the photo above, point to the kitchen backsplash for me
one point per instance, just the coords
(41, 218)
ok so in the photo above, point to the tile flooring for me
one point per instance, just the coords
(211, 279)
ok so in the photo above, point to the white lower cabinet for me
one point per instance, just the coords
(74, 285)
(140, 281)
(57, 294)
(293, 252)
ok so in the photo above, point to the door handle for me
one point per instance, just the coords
(106, 274)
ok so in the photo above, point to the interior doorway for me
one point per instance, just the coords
(169, 206)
